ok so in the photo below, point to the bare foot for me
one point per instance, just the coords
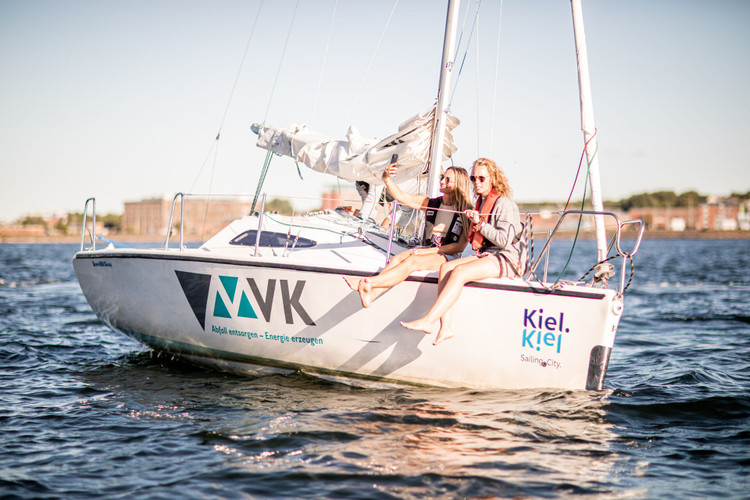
(443, 334)
(352, 281)
(421, 324)
(365, 292)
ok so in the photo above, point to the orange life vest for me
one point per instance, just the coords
(484, 206)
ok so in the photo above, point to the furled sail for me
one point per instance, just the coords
(357, 158)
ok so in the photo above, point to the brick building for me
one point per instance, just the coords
(714, 215)
(203, 216)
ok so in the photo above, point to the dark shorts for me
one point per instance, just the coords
(451, 256)
(448, 256)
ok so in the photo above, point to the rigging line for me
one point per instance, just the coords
(583, 201)
(494, 88)
(281, 61)
(580, 217)
(239, 70)
(477, 79)
(323, 65)
(466, 52)
(210, 189)
(261, 180)
(231, 96)
(214, 144)
(580, 162)
(372, 59)
(461, 34)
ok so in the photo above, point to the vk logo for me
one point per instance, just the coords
(245, 310)
(236, 298)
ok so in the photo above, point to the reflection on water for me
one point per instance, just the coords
(429, 441)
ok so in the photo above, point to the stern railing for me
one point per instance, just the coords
(181, 196)
(92, 233)
(615, 242)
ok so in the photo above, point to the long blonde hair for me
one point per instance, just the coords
(499, 181)
(462, 193)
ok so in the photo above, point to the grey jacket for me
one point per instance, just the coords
(502, 233)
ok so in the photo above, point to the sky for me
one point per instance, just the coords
(124, 100)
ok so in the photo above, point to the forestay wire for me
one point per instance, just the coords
(466, 50)
(261, 180)
(494, 88)
(372, 59)
(476, 78)
(281, 61)
(214, 144)
(323, 65)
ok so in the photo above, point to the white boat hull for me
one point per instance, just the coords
(255, 314)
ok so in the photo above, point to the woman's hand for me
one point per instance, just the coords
(390, 171)
(473, 215)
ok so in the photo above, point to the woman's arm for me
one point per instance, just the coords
(411, 200)
(505, 223)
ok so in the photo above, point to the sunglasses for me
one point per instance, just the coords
(479, 178)
(443, 176)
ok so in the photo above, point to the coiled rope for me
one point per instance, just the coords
(625, 256)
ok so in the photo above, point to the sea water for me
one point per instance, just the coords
(86, 412)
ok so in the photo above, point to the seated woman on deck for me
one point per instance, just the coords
(495, 235)
(446, 232)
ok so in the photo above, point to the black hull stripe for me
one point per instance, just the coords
(328, 270)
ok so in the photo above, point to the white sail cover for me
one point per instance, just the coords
(357, 158)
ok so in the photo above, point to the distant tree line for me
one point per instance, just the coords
(669, 199)
(658, 199)
(662, 199)
(112, 222)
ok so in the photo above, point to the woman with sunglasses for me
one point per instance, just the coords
(495, 235)
(445, 233)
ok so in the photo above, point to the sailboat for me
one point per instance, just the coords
(265, 294)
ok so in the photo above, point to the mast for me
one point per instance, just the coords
(446, 71)
(588, 127)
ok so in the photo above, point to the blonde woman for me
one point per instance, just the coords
(496, 237)
(446, 232)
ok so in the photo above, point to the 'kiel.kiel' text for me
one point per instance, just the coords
(540, 331)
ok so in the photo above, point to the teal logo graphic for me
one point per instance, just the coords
(230, 286)
(237, 298)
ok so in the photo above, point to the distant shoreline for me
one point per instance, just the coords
(697, 235)
(671, 235)
(649, 235)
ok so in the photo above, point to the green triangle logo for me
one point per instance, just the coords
(230, 285)
(220, 310)
(246, 310)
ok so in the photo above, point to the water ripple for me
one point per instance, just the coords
(88, 413)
